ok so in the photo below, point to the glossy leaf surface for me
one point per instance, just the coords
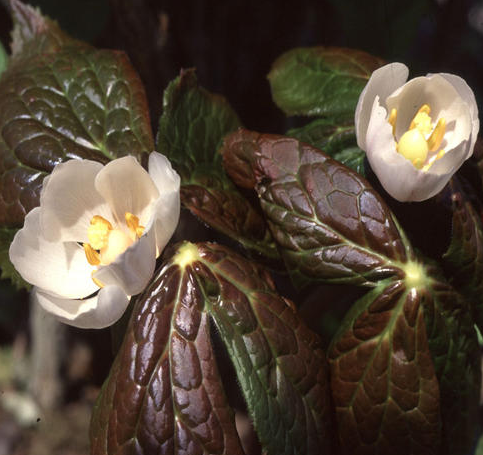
(321, 81)
(464, 257)
(164, 393)
(191, 130)
(405, 370)
(327, 220)
(60, 99)
(279, 362)
(383, 380)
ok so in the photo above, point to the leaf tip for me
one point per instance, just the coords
(187, 254)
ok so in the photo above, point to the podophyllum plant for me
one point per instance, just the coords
(402, 371)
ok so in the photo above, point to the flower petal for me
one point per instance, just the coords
(397, 174)
(96, 312)
(69, 200)
(164, 176)
(165, 218)
(58, 267)
(468, 97)
(127, 187)
(382, 83)
(132, 269)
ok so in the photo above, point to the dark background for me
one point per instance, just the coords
(233, 43)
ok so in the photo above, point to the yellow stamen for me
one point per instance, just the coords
(93, 257)
(392, 120)
(132, 222)
(413, 146)
(436, 138)
(117, 242)
(423, 113)
(96, 281)
(440, 154)
(98, 232)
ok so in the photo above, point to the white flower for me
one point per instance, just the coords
(94, 240)
(417, 134)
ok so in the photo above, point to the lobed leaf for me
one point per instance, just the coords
(321, 81)
(383, 380)
(279, 362)
(164, 393)
(327, 220)
(464, 257)
(59, 101)
(191, 130)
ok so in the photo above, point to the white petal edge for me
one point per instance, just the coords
(382, 83)
(57, 267)
(132, 269)
(165, 218)
(164, 176)
(468, 96)
(127, 187)
(96, 312)
(69, 200)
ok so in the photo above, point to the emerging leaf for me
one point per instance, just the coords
(327, 220)
(321, 81)
(191, 130)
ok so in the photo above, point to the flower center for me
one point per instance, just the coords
(422, 139)
(106, 243)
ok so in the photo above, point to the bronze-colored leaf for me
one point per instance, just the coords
(164, 394)
(327, 220)
(383, 380)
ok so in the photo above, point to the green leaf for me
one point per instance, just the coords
(464, 258)
(3, 59)
(164, 393)
(383, 381)
(457, 359)
(336, 139)
(191, 130)
(321, 81)
(352, 157)
(405, 369)
(279, 362)
(327, 135)
(69, 101)
(6, 267)
(328, 222)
